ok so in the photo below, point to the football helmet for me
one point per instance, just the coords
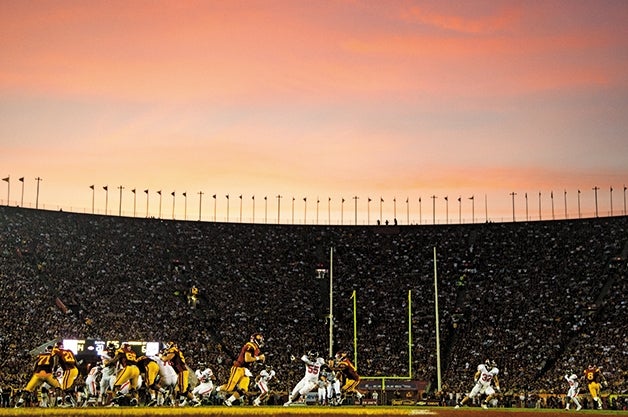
(341, 354)
(490, 364)
(312, 354)
(171, 344)
(258, 339)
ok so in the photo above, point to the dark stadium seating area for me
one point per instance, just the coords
(540, 298)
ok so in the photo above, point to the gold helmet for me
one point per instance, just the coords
(258, 339)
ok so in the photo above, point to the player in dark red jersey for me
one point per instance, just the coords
(239, 377)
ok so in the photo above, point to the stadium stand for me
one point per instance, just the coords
(540, 298)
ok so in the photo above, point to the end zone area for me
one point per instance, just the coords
(280, 411)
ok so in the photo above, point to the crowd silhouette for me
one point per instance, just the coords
(540, 298)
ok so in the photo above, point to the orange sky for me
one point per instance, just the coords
(334, 99)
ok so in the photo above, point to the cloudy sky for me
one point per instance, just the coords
(516, 104)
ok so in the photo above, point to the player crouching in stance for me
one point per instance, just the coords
(572, 394)
(126, 358)
(313, 365)
(484, 377)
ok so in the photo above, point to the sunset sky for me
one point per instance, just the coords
(316, 100)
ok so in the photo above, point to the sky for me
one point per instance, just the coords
(351, 111)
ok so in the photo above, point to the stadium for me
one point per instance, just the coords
(542, 299)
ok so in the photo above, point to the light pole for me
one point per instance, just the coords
(146, 192)
(513, 194)
(185, 205)
(21, 179)
(106, 188)
(278, 208)
(215, 203)
(355, 199)
(36, 195)
(342, 210)
(134, 201)
(173, 194)
(434, 209)
(595, 191)
(227, 196)
(200, 205)
(539, 205)
(120, 203)
(93, 197)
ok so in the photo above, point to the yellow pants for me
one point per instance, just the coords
(237, 379)
(128, 373)
(69, 376)
(39, 378)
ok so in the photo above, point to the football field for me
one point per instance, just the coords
(279, 411)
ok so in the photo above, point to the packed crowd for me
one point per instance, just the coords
(540, 298)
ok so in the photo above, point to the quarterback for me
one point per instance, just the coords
(239, 377)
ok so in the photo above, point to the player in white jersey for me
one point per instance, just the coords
(262, 384)
(313, 365)
(332, 384)
(107, 375)
(484, 377)
(572, 394)
(205, 384)
(91, 385)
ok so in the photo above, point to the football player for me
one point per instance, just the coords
(239, 378)
(313, 364)
(594, 379)
(351, 379)
(42, 372)
(572, 394)
(127, 359)
(484, 377)
(206, 384)
(66, 360)
(262, 384)
(174, 355)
